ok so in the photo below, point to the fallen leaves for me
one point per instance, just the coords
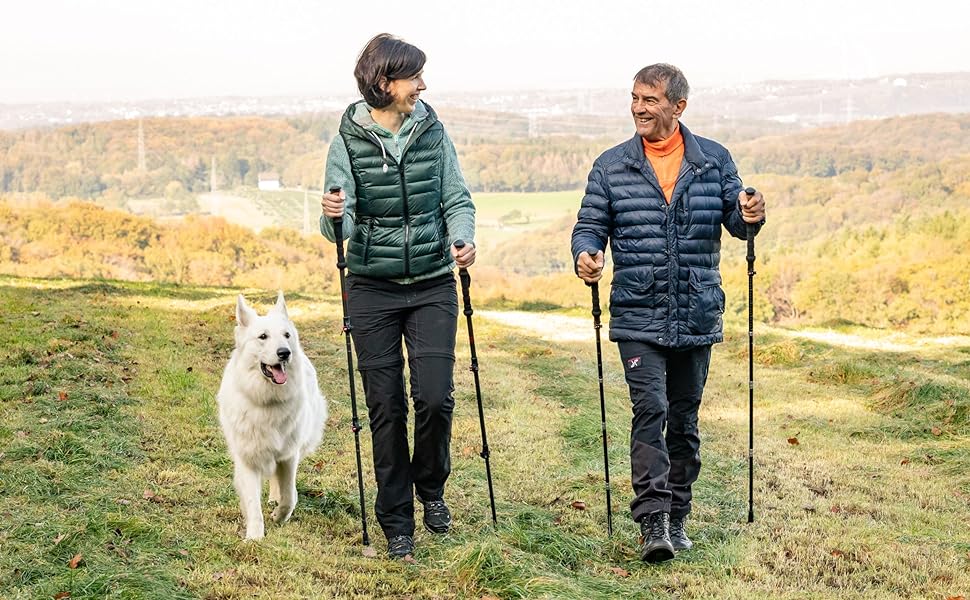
(62, 395)
(219, 575)
(793, 440)
(59, 539)
(75, 561)
(369, 552)
(318, 466)
(905, 461)
(578, 505)
(153, 497)
(936, 431)
(62, 595)
(620, 572)
(837, 553)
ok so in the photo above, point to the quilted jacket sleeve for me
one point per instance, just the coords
(592, 228)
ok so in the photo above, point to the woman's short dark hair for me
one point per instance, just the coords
(385, 56)
(672, 78)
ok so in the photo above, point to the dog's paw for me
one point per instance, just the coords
(254, 534)
(281, 514)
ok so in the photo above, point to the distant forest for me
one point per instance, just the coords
(100, 161)
(867, 223)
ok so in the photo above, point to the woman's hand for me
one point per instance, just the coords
(333, 205)
(464, 256)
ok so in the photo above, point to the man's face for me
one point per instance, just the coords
(654, 116)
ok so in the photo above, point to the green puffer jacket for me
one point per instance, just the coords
(406, 200)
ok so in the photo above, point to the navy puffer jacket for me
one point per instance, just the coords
(666, 283)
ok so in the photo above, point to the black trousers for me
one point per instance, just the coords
(425, 314)
(666, 386)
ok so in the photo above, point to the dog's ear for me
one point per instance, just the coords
(244, 314)
(281, 304)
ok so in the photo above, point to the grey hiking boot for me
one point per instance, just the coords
(655, 529)
(437, 517)
(400, 546)
(678, 534)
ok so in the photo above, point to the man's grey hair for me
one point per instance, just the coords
(672, 77)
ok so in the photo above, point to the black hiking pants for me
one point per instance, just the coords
(425, 314)
(665, 388)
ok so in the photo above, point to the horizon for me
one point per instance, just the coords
(496, 92)
(146, 50)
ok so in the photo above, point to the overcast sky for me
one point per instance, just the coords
(139, 49)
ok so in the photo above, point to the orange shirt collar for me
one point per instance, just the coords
(665, 146)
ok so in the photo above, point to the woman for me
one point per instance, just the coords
(404, 203)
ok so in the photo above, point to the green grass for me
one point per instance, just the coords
(538, 208)
(110, 449)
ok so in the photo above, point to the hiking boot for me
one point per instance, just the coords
(437, 517)
(678, 534)
(655, 529)
(400, 546)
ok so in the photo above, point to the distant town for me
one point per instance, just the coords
(812, 102)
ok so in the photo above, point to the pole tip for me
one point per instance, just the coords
(749, 191)
(459, 244)
(335, 189)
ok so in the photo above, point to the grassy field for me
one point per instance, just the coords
(115, 482)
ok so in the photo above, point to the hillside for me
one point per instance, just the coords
(843, 243)
(115, 481)
(179, 158)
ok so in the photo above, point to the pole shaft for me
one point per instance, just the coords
(355, 421)
(751, 274)
(595, 289)
(465, 279)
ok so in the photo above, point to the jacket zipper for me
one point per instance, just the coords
(407, 220)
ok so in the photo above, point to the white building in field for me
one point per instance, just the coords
(268, 181)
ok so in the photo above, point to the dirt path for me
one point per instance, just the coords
(562, 328)
(551, 327)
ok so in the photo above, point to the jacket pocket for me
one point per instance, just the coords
(442, 230)
(634, 288)
(706, 303)
(368, 236)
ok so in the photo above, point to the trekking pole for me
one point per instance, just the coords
(338, 231)
(749, 231)
(466, 282)
(595, 288)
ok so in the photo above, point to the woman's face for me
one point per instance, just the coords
(405, 93)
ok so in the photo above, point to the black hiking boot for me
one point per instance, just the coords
(678, 534)
(400, 546)
(437, 517)
(655, 529)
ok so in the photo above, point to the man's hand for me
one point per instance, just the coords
(333, 205)
(752, 207)
(464, 256)
(590, 268)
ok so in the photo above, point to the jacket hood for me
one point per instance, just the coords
(360, 113)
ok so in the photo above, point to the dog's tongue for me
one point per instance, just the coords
(279, 374)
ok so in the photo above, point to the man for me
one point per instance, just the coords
(661, 199)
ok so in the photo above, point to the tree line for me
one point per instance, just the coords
(180, 157)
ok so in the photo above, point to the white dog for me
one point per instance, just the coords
(271, 410)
